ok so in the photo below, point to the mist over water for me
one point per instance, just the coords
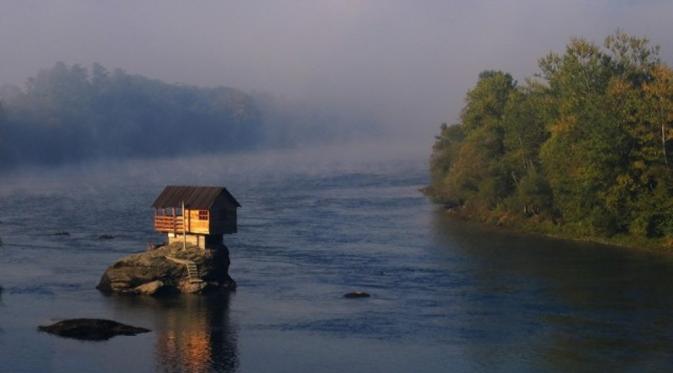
(315, 224)
(405, 64)
(378, 157)
(373, 81)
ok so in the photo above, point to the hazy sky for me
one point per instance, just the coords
(408, 62)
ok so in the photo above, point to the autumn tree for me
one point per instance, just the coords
(586, 144)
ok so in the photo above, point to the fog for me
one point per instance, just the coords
(406, 63)
(319, 160)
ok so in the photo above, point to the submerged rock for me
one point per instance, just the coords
(91, 329)
(356, 294)
(169, 269)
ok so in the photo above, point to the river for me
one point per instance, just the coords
(446, 295)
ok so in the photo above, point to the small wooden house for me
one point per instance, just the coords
(195, 215)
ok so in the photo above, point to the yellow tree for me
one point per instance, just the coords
(659, 95)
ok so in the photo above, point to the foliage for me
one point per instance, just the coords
(70, 113)
(586, 146)
(67, 113)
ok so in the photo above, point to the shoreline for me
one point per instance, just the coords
(516, 226)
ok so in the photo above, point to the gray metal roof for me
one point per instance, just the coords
(194, 197)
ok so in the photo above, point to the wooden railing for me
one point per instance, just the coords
(168, 223)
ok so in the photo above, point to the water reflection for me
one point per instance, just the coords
(193, 333)
(560, 304)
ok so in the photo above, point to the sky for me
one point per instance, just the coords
(406, 63)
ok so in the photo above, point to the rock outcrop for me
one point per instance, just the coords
(169, 269)
(356, 294)
(91, 329)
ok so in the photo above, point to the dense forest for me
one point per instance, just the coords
(584, 149)
(70, 113)
(67, 113)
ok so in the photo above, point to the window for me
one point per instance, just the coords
(203, 214)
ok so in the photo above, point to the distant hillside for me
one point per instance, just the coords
(70, 113)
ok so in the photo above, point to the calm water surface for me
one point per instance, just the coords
(446, 295)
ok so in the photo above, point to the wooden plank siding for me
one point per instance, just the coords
(193, 221)
(223, 221)
(197, 225)
(209, 211)
(223, 216)
(168, 223)
(220, 219)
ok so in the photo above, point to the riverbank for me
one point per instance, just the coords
(537, 225)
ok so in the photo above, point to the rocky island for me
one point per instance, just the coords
(195, 260)
(170, 269)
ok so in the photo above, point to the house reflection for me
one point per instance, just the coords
(195, 336)
(193, 333)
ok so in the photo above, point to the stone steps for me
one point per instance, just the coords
(193, 274)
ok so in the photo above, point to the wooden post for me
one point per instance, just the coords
(174, 228)
(184, 227)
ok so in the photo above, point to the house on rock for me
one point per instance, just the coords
(195, 215)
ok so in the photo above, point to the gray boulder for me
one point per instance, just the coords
(169, 269)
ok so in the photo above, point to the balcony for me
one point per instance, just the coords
(168, 224)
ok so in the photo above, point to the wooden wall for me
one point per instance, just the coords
(195, 225)
(221, 219)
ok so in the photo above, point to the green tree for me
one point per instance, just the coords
(587, 144)
(524, 134)
(478, 175)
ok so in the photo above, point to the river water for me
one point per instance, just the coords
(446, 295)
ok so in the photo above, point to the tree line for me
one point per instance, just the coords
(70, 113)
(584, 148)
